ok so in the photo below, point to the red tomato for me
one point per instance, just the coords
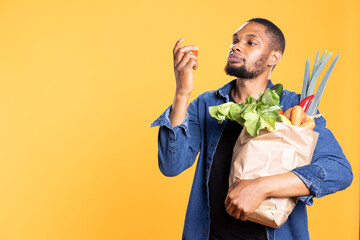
(194, 52)
(281, 112)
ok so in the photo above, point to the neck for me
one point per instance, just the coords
(249, 87)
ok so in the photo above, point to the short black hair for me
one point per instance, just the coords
(275, 34)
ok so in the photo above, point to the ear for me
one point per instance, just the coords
(275, 57)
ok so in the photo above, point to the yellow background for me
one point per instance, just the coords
(81, 81)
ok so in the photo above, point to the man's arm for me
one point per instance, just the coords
(328, 173)
(245, 196)
(177, 150)
(184, 63)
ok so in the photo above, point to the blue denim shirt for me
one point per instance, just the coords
(328, 172)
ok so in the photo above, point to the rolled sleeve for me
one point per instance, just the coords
(329, 170)
(312, 176)
(178, 146)
(164, 121)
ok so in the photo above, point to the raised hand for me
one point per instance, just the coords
(184, 62)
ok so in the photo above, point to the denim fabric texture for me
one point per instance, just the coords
(178, 147)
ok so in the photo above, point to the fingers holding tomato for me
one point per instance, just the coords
(194, 52)
(182, 52)
(185, 61)
(179, 52)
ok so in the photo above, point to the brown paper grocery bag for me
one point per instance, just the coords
(272, 153)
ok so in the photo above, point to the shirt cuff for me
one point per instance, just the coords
(164, 120)
(312, 175)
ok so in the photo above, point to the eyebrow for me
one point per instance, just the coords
(248, 35)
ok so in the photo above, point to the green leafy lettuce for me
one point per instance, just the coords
(254, 114)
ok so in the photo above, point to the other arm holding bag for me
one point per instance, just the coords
(269, 154)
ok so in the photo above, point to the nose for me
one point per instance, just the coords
(238, 47)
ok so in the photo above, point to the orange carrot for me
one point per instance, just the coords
(287, 113)
(309, 124)
(297, 115)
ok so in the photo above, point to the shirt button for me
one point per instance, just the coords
(205, 232)
(212, 145)
(207, 165)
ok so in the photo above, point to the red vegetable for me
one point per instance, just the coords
(194, 52)
(305, 102)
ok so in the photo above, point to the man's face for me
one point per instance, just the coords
(249, 52)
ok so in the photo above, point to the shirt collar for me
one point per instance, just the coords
(224, 91)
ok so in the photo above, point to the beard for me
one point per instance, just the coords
(242, 72)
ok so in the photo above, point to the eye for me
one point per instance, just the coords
(234, 42)
(252, 43)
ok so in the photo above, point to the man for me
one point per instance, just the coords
(219, 211)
